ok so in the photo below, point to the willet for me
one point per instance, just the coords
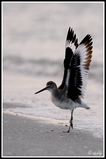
(76, 67)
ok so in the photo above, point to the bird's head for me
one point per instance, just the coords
(50, 86)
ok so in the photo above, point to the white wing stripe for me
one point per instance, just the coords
(68, 76)
(70, 45)
(82, 51)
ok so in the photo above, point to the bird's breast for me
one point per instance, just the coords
(63, 103)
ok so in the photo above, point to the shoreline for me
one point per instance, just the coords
(24, 136)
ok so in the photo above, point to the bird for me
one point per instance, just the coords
(70, 93)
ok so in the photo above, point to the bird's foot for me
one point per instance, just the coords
(67, 131)
(71, 125)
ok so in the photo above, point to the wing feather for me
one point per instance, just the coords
(79, 68)
(70, 46)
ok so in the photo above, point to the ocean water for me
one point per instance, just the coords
(34, 37)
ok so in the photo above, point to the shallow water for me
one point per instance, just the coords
(33, 51)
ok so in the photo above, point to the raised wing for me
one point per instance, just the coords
(77, 72)
(71, 45)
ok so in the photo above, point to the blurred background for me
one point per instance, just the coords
(34, 35)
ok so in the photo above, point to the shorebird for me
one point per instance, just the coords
(76, 67)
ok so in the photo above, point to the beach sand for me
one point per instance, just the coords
(24, 136)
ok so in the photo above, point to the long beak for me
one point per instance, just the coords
(42, 89)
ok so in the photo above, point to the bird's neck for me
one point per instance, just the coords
(55, 93)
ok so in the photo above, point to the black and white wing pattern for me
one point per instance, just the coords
(71, 45)
(77, 72)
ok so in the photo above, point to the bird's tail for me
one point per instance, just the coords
(84, 105)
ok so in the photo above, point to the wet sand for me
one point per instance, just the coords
(24, 136)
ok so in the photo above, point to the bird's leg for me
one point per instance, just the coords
(71, 121)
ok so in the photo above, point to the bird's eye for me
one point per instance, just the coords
(48, 85)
